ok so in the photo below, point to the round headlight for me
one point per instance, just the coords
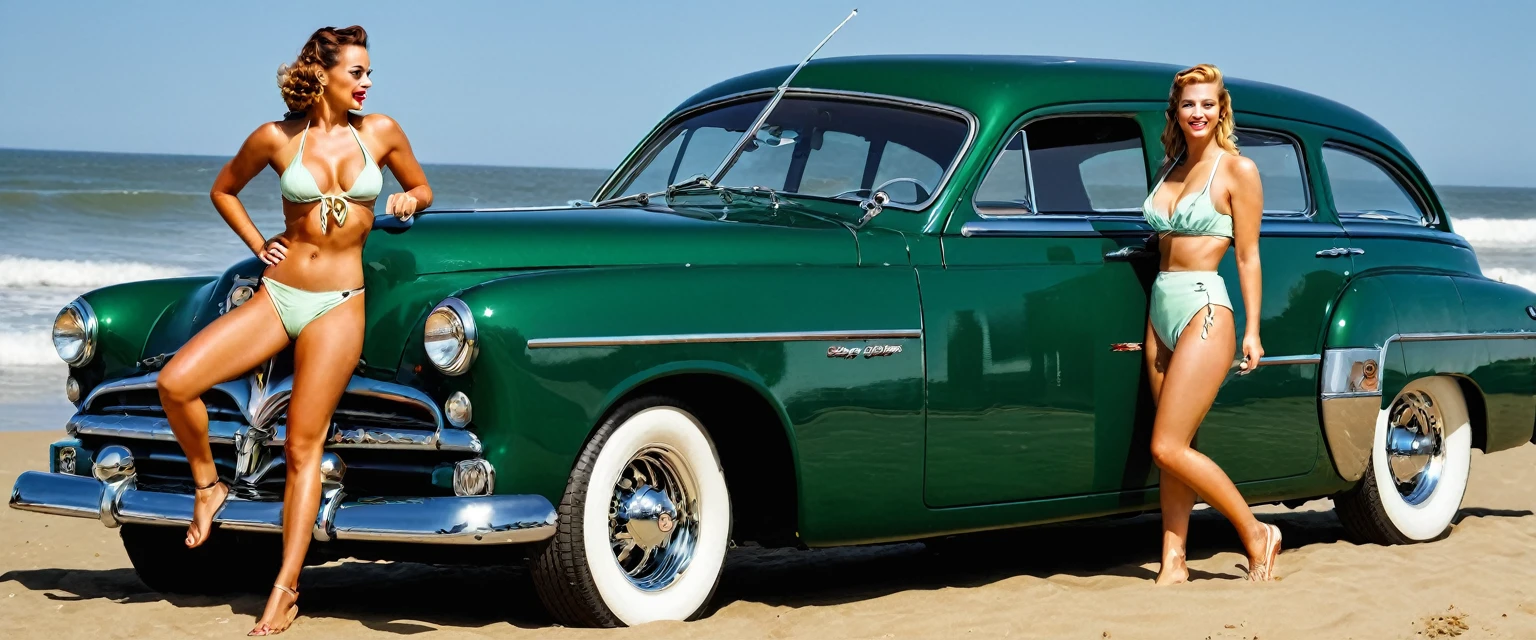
(74, 333)
(450, 338)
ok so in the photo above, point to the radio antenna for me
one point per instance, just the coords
(730, 158)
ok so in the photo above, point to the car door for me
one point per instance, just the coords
(1035, 317)
(1264, 425)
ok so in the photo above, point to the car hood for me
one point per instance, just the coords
(587, 237)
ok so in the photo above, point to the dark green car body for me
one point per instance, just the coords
(1007, 387)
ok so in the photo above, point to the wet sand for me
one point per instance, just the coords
(65, 578)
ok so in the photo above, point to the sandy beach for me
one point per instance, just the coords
(66, 578)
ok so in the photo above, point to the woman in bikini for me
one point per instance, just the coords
(311, 295)
(1208, 199)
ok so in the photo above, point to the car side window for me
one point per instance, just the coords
(1278, 158)
(1363, 187)
(1068, 165)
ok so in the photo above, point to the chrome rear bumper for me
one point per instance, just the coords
(470, 520)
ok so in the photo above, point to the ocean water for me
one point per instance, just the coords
(71, 222)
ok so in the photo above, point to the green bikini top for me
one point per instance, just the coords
(298, 185)
(1193, 215)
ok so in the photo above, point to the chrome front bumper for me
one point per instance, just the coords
(468, 520)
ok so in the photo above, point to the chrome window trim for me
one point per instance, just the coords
(1418, 198)
(1030, 166)
(1309, 210)
(971, 122)
(697, 338)
(1081, 226)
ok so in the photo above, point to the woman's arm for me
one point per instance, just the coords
(401, 162)
(1247, 206)
(254, 155)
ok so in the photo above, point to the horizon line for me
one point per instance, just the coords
(517, 166)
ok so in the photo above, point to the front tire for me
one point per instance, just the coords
(644, 523)
(1420, 460)
(228, 562)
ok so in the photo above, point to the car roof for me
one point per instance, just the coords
(1000, 88)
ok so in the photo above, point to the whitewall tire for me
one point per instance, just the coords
(644, 523)
(1421, 457)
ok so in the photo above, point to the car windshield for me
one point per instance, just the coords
(810, 146)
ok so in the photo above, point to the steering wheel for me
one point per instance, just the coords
(922, 190)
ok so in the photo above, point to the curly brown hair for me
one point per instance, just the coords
(302, 81)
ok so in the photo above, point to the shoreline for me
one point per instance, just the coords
(69, 577)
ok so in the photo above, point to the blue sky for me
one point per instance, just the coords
(575, 84)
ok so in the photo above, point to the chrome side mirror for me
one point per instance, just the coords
(872, 207)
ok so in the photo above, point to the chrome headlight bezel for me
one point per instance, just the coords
(85, 320)
(462, 321)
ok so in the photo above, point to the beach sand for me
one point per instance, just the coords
(65, 578)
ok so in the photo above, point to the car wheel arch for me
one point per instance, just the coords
(759, 456)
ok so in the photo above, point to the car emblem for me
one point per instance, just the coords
(665, 523)
(872, 351)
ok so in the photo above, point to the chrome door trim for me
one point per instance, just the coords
(1274, 361)
(1081, 226)
(698, 338)
(972, 130)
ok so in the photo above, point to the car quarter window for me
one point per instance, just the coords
(1363, 187)
(1091, 164)
(1278, 158)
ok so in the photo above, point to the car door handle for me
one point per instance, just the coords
(1124, 254)
(1339, 252)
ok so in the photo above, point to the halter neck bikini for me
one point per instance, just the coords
(1178, 295)
(296, 308)
(299, 187)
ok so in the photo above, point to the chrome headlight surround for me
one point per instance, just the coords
(75, 326)
(449, 337)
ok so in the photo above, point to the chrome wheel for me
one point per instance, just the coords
(1415, 445)
(653, 523)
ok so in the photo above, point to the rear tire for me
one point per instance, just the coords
(1403, 499)
(615, 560)
(228, 562)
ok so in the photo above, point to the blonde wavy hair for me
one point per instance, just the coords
(1173, 136)
(302, 82)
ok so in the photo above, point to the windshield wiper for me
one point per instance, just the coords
(642, 199)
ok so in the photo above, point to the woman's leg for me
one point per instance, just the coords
(229, 346)
(324, 357)
(1194, 375)
(1176, 498)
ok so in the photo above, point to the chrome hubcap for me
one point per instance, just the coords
(1415, 445)
(652, 522)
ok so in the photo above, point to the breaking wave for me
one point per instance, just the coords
(25, 273)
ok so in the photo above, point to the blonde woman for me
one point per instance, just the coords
(1208, 199)
(327, 160)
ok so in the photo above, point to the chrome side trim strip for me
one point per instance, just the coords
(1073, 226)
(1272, 361)
(697, 338)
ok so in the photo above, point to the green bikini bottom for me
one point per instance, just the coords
(1178, 295)
(296, 308)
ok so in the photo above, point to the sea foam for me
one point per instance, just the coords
(1498, 233)
(23, 273)
(27, 349)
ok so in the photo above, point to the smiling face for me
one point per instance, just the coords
(1200, 109)
(347, 82)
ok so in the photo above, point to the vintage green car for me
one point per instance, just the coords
(912, 306)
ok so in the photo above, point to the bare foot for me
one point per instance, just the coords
(1261, 561)
(1173, 571)
(282, 609)
(205, 506)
